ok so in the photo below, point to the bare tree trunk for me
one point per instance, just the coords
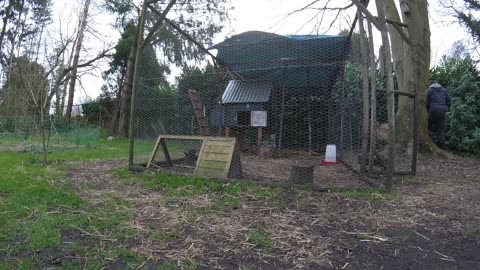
(402, 66)
(63, 94)
(419, 35)
(78, 47)
(8, 9)
(390, 95)
(116, 110)
(15, 35)
(126, 94)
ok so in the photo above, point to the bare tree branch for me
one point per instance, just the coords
(367, 13)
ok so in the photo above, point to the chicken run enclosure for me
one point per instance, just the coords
(259, 105)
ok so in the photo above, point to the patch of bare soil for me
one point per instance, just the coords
(433, 221)
(278, 170)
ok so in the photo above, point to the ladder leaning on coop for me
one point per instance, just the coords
(198, 110)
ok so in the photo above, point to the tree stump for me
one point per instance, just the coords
(301, 174)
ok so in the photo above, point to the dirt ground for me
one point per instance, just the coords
(431, 221)
(278, 169)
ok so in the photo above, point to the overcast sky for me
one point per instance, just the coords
(262, 15)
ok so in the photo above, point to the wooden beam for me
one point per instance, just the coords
(165, 151)
(154, 152)
(259, 139)
(400, 92)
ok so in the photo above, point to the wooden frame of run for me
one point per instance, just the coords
(215, 159)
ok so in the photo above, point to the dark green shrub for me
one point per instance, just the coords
(464, 116)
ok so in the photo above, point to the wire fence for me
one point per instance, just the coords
(25, 133)
(267, 107)
(285, 98)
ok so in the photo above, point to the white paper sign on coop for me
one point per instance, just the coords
(259, 118)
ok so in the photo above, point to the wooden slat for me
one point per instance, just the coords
(218, 143)
(217, 149)
(200, 138)
(154, 152)
(183, 137)
(207, 172)
(212, 164)
(202, 148)
(215, 156)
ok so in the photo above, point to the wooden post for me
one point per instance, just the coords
(364, 55)
(154, 152)
(259, 139)
(309, 136)
(227, 132)
(282, 111)
(131, 128)
(415, 132)
(373, 100)
(390, 96)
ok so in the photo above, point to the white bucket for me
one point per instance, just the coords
(331, 153)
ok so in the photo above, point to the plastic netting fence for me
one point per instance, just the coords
(283, 97)
(24, 133)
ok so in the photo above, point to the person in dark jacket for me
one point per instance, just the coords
(438, 103)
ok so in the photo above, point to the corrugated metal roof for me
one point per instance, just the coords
(246, 92)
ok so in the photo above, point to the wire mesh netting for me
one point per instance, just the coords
(284, 98)
(25, 133)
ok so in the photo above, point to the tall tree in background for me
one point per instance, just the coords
(21, 36)
(78, 46)
(23, 21)
(201, 19)
(468, 20)
(19, 97)
(409, 32)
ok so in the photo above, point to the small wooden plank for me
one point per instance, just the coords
(225, 139)
(184, 137)
(212, 164)
(208, 172)
(191, 137)
(217, 149)
(202, 148)
(219, 143)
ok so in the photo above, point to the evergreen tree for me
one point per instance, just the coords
(468, 20)
(200, 19)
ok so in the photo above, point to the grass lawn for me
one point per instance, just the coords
(39, 210)
(41, 215)
(87, 211)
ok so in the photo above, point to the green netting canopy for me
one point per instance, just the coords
(293, 61)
